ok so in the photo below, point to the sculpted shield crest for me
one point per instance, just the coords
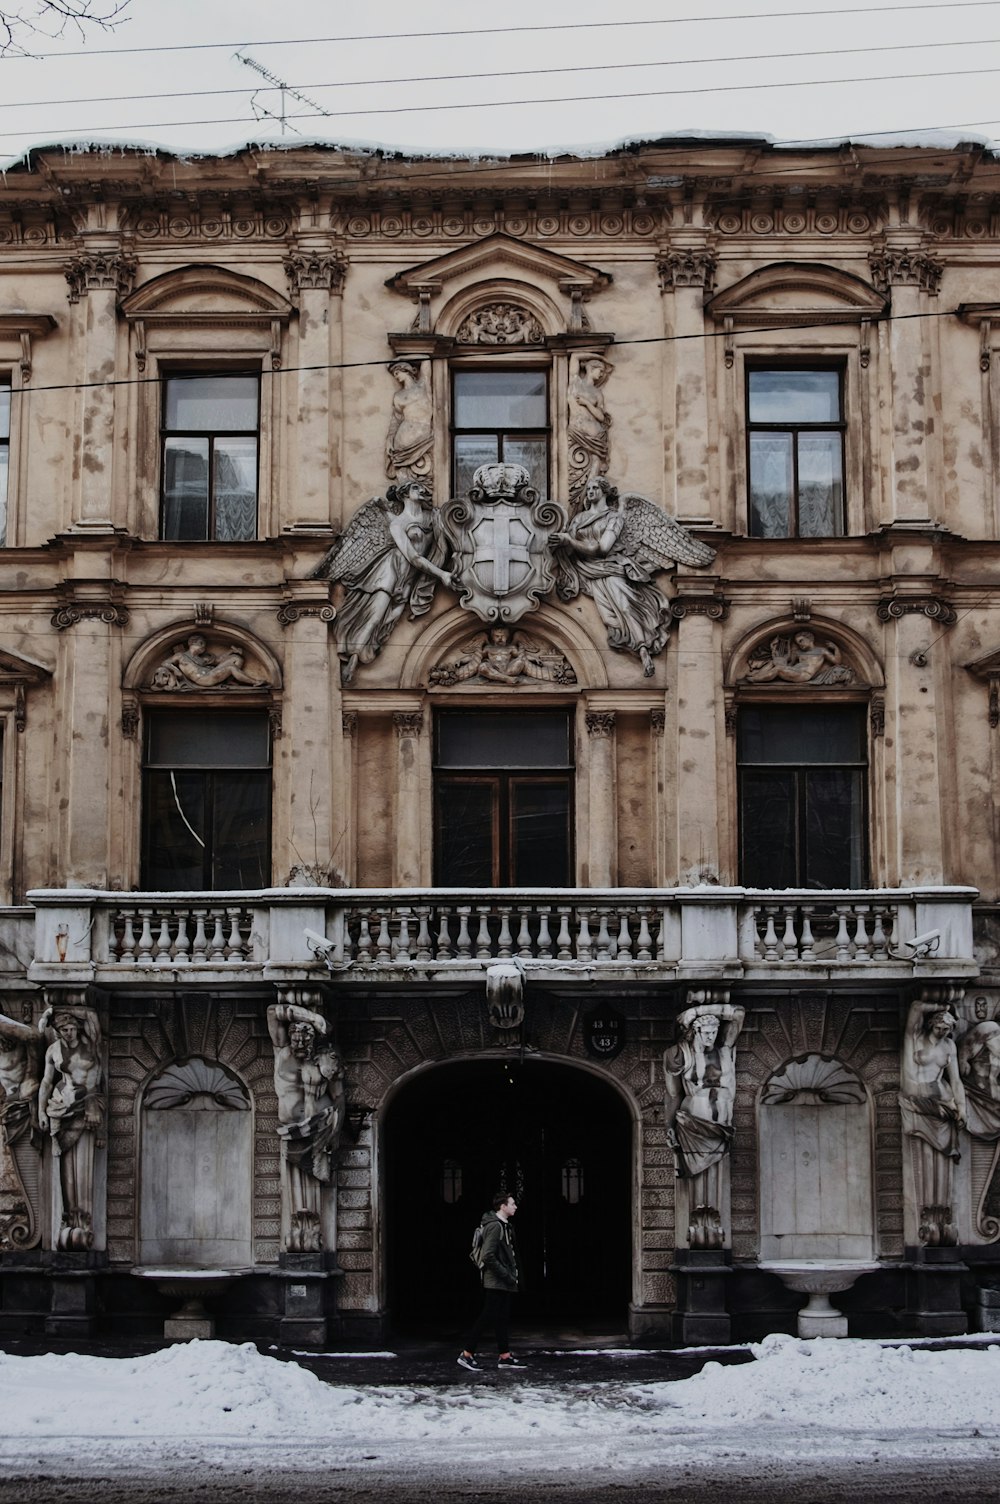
(500, 537)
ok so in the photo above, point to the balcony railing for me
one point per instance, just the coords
(301, 933)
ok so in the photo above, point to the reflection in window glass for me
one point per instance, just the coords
(500, 415)
(795, 442)
(210, 443)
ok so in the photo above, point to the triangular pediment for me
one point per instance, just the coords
(17, 670)
(797, 291)
(200, 293)
(499, 256)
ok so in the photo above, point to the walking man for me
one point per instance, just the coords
(498, 1263)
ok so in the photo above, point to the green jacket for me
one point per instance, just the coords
(499, 1260)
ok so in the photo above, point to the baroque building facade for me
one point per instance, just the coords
(500, 688)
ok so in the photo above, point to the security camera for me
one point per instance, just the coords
(320, 946)
(919, 947)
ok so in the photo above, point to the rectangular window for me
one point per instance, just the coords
(503, 799)
(802, 784)
(4, 456)
(206, 801)
(795, 439)
(500, 415)
(210, 440)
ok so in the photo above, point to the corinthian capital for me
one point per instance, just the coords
(322, 271)
(904, 265)
(686, 266)
(95, 270)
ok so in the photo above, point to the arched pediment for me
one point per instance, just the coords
(797, 292)
(206, 294)
(553, 636)
(155, 670)
(790, 656)
(494, 270)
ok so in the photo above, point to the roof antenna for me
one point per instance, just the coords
(260, 112)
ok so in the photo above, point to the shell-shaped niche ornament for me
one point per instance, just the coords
(814, 1078)
(196, 1083)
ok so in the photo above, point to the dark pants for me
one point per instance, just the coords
(495, 1313)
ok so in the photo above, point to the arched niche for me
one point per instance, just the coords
(847, 664)
(205, 293)
(815, 1162)
(149, 678)
(446, 638)
(795, 292)
(196, 1167)
(477, 303)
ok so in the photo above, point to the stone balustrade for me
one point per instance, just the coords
(688, 933)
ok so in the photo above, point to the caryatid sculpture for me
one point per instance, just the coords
(409, 443)
(71, 1109)
(589, 422)
(21, 1047)
(309, 1085)
(700, 1073)
(933, 1106)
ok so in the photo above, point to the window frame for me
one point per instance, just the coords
(517, 362)
(184, 371)
(806, 363)
(800, 768)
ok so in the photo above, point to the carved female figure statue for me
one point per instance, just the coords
(700, 1073)
(610, 551)
(933, 1107)
(388, 557)
(589, 422)
(71, 1109)
(309, 1084)
(410, 440)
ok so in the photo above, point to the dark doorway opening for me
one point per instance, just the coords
(556, 1137)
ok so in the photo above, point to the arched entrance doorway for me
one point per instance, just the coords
(560, 1140)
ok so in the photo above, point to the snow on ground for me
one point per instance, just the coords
(217, 1399)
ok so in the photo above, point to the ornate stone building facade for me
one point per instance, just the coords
(499, 672)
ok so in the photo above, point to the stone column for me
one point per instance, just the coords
(603, 856)
(697, 731)
(316, 269)
(410, 860)
(686, 264)
(314, 837)
(98, 277)
(902, 264)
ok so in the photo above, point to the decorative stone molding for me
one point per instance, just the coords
(988, 670)
(291, 612)
(192, 667)
(72, 611)
(21, 674)
(687, 267)
(876, 715)
(408, 722)
(500, 324)
(801, 609)
(600, 723)
(24, 327)
(731, 719)
(658, 722)
(204, 614)
(95, 271)
(905, 266)
(315, 271)
(349, 723)
(814, 1079)
(798, 659)
(183, 1081)
(768, 214)
(715, 607)
(892, 607)
(503, 657)
(130, 718)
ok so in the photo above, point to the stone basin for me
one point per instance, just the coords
(819, 1279)
(192, 1287)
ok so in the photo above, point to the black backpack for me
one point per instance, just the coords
(476, 1251)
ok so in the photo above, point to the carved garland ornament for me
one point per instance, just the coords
(501, 324)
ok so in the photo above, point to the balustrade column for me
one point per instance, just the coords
(411, 850)
(603, 857)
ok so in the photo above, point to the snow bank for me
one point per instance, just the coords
(214, 1391)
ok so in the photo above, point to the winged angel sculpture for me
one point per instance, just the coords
(388, 557)
(611, 550)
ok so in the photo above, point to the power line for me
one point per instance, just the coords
(492, 31)
(364, 365)
(498, 104)
(466, 77)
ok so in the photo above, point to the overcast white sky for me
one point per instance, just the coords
(720, 72)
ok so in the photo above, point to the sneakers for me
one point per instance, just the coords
(509, 1361)
(468, 1360)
